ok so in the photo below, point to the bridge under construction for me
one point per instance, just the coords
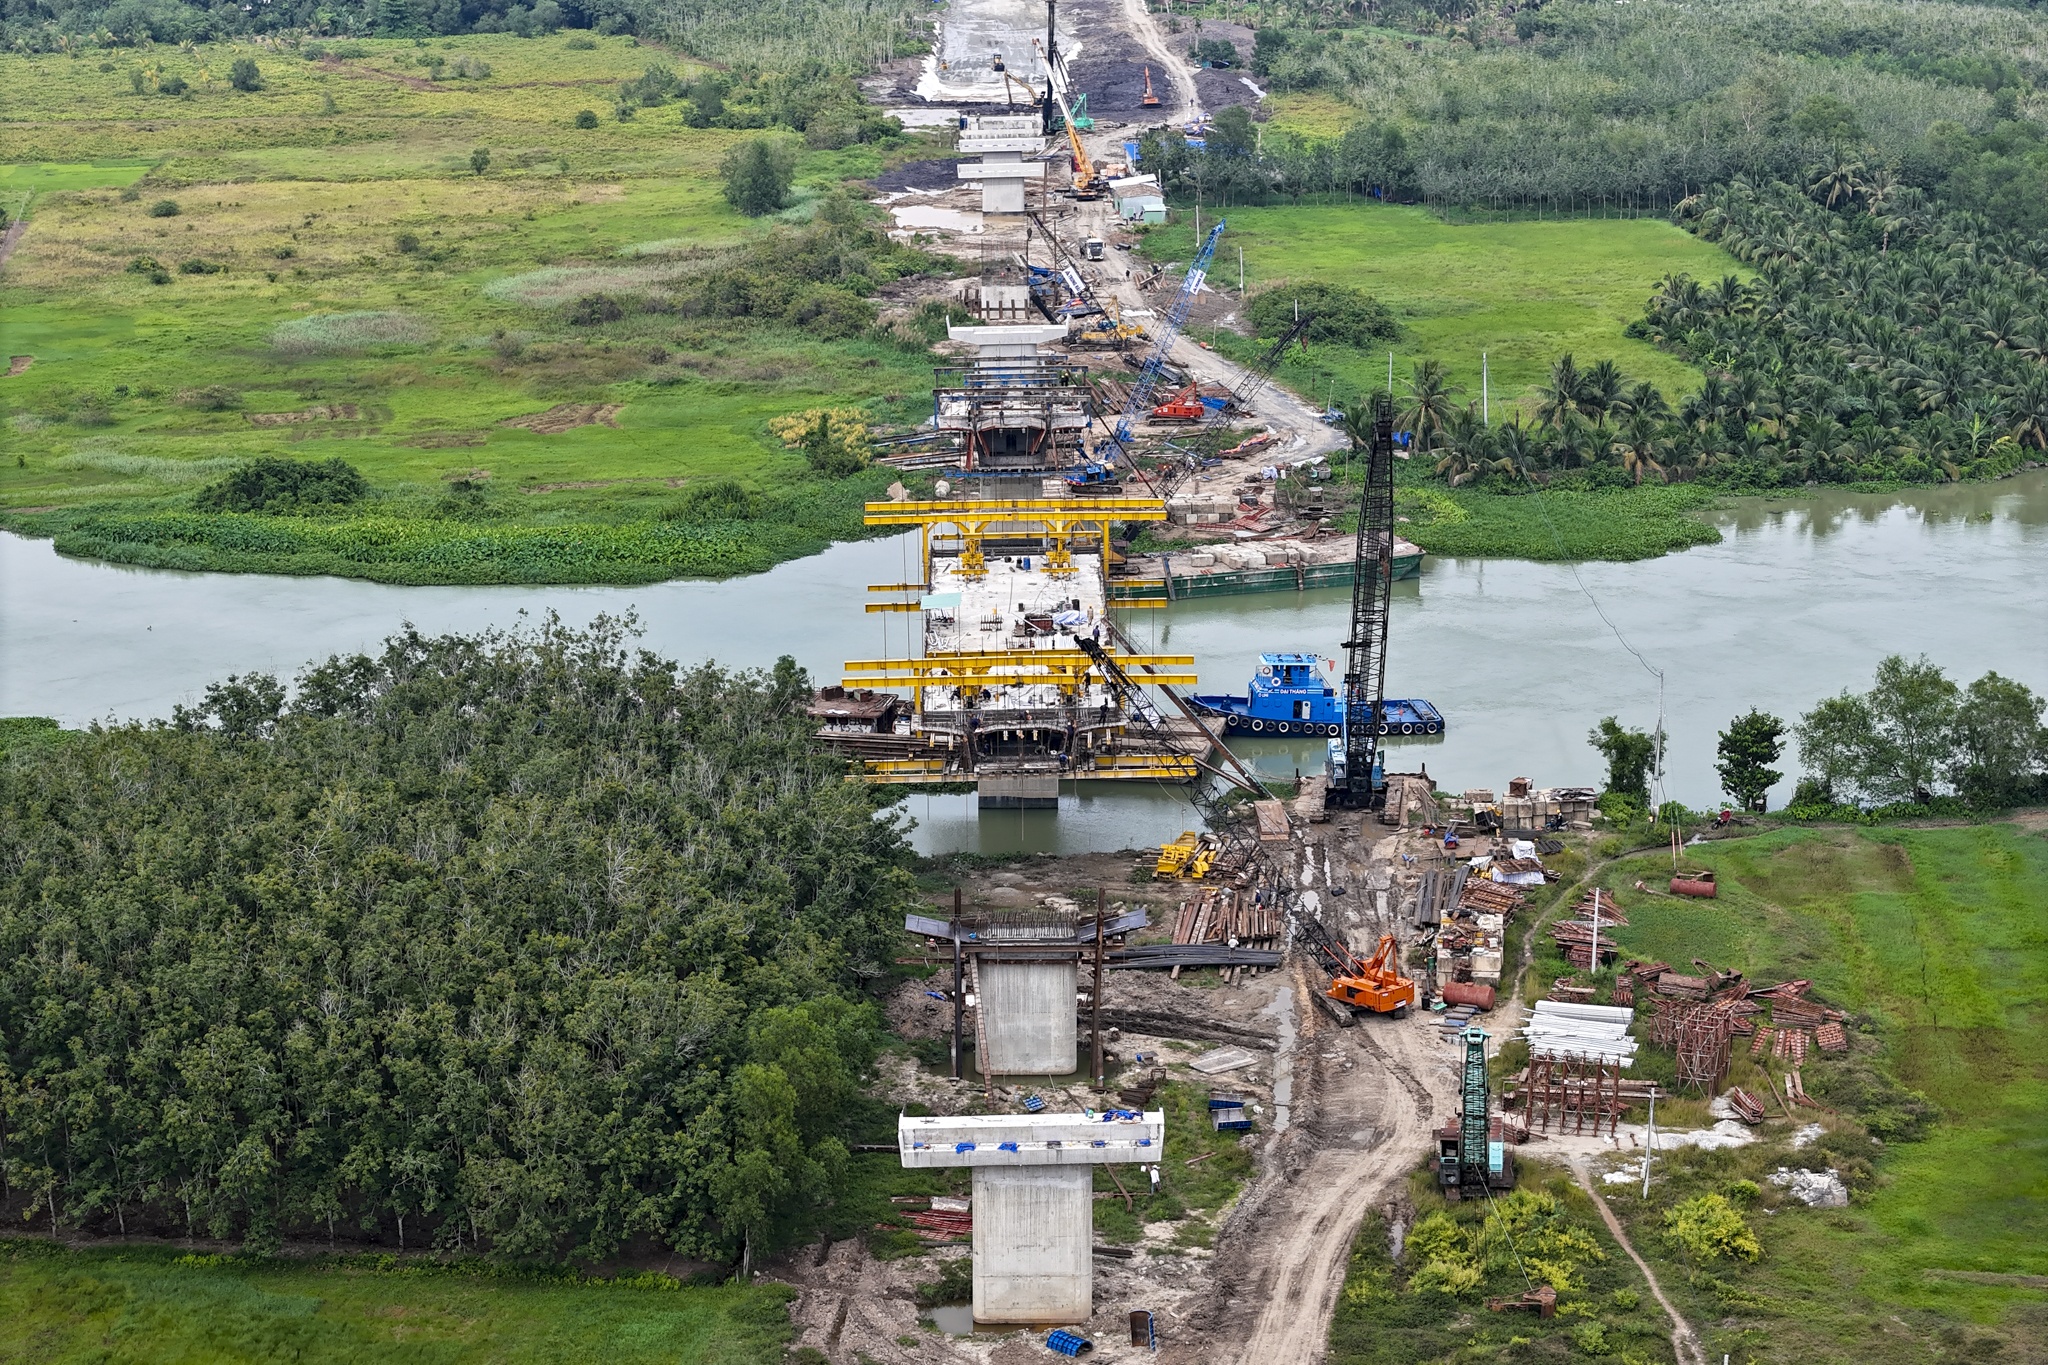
(1024, 679)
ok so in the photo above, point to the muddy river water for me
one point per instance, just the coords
(1799, 600)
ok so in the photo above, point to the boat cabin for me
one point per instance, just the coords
(1292, 687)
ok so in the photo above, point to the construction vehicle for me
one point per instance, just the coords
(1189, 857)
(1184, 406)
(1358, 987)
(1087, 182)
(1357, 779)
(1176, 317)
(1469, 1159)
(1091, 249)
(1094, 475)
(1150, 101)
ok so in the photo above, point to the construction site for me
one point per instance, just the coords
(1311, 986)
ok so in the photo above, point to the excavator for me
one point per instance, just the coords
(1087, 181)
(1360, 986)
(1150, 101)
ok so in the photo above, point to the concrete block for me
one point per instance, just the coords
(1027, 1012)
(1019, 791)
(1034, 1233)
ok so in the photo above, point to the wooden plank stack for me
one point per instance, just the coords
(1227, 914)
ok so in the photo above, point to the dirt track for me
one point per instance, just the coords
(1369, 1096)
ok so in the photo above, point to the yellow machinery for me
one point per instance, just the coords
(1087, 183)
(1189, 857)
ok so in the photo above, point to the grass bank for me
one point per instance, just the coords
(336, 278)
(1521, 293)
(146, 1304)
(1932, 940)
(1556, 524)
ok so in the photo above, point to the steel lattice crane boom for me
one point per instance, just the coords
(1261, 372)
(1140, 400)
(1355, 776)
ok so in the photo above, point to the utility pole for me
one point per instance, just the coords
(1650, 1140)
(1485, 404)
(1390, 374)
(1240, 277)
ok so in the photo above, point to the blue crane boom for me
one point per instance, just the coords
(1148, 377)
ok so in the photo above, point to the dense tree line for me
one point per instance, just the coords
(526, 943)
(1576, 106)
(842, 35)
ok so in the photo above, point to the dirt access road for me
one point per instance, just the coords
(1373, 1093)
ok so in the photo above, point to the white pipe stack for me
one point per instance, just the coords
(1597, 1033)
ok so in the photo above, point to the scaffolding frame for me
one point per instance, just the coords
(1575, 1091)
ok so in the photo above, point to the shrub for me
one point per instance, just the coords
(195, 266)
(332, 333)
(595, 309)
(1214, 52)
(163, 208)
(834, 440)
(954, 1285)
(212, 398)
(480, 160)
(406, 243)
(149, 268)
(1709, 1228)
(1343, 315)
(173, 84)
(582, 42)
(586, 118)
(718, 500)
(284, 252)
(244, 76)
(92, 411)
(758, 174)
(281, 487)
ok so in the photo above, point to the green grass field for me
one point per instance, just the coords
(156, 1306)
(1523, 293)
(345, 187)
(1933, 940)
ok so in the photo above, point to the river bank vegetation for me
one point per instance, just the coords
(523, 945)
(550, 351)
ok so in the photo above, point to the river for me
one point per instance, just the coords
(1798, 601)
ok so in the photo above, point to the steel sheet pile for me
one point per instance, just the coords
(1558, 1030)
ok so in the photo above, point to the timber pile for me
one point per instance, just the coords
(939, 1219)
(1576, 938)
(1682, 987)
(1610, 914)
(1227, 915)
(1832, 1037)
(1746, 1105)
(1484, 897)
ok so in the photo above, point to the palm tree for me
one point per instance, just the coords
(1838, 180)
(1359, 426)
(1644, 397)
(1429, 403)
(1638, 444)
(1517, 448)
(1603, 389)
(1563, 394)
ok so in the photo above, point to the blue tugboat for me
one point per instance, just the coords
(1288, 697)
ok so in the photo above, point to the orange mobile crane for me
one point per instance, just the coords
(1357, 986)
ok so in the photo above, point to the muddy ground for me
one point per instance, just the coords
(1343, 1115)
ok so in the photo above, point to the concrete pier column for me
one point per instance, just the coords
(1034, 1201)
(1034, 1233)
(1027, 1014)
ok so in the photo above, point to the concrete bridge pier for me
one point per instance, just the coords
(1034, 1202)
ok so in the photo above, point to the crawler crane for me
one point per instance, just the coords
(1356, 986)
